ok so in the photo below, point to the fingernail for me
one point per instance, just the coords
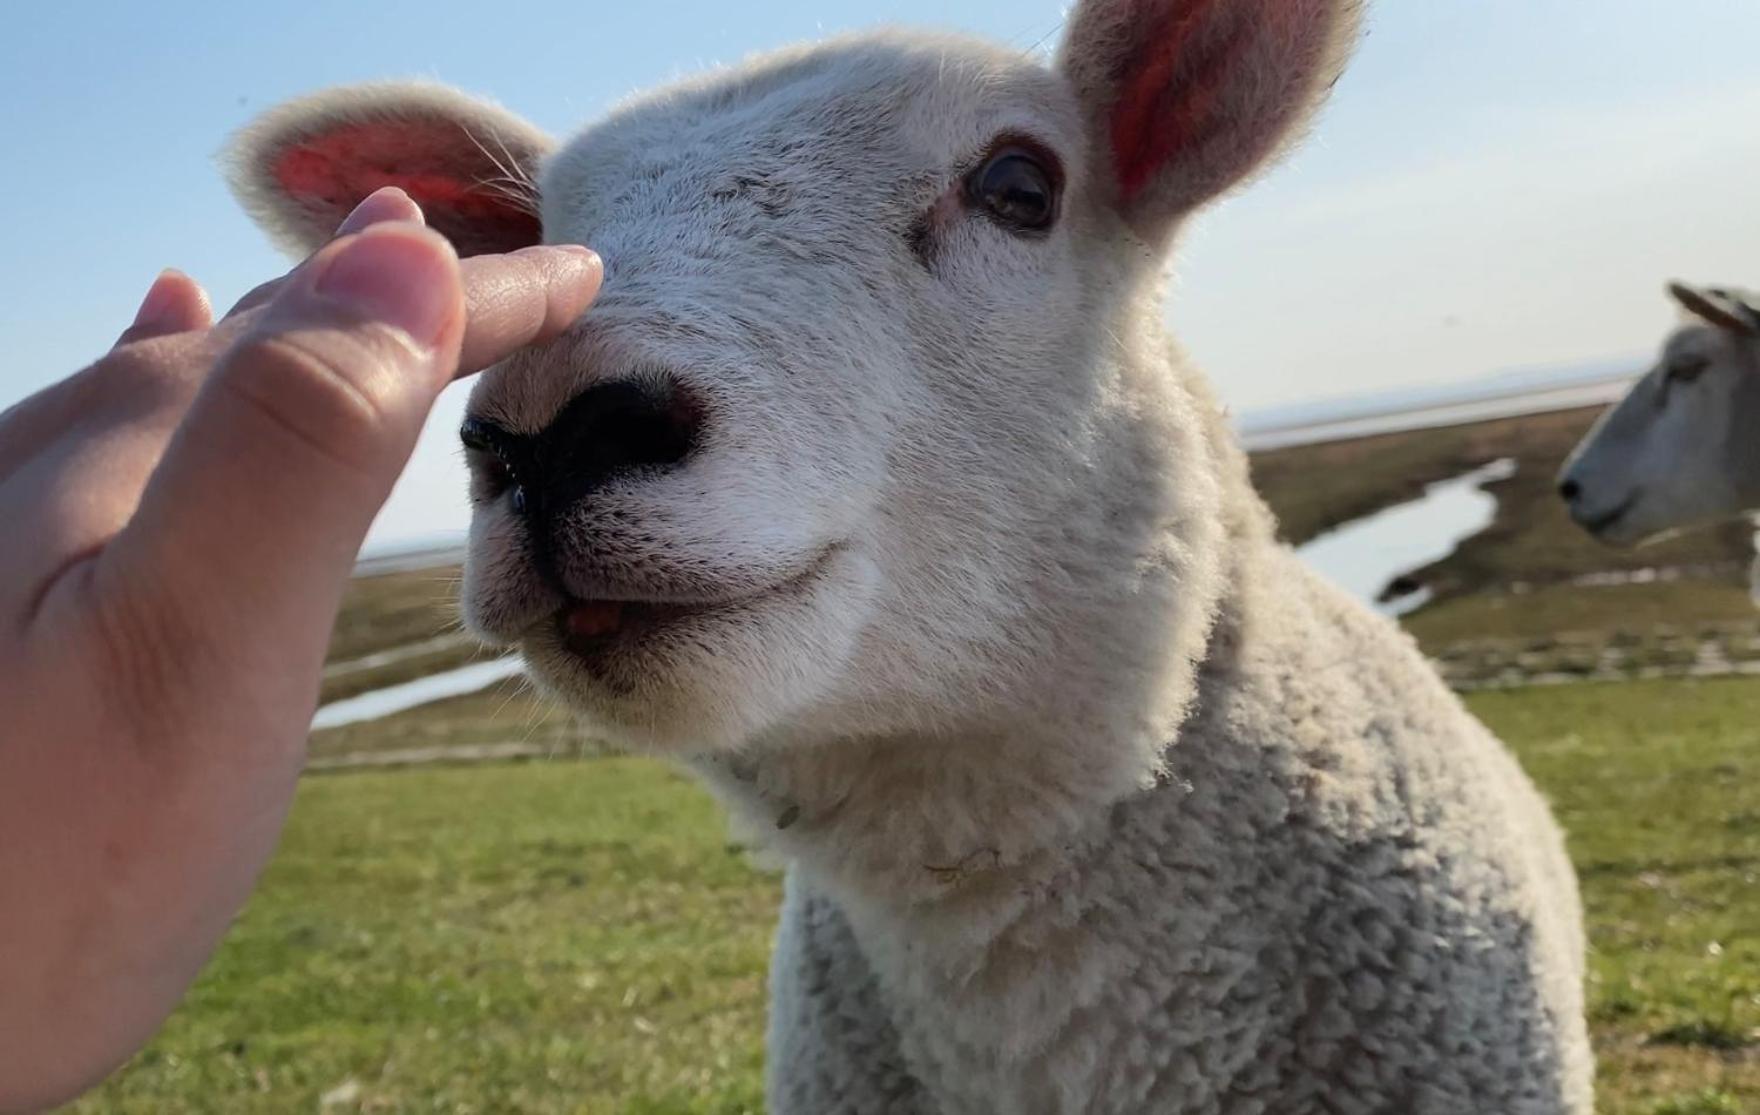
(585, 259)
(387, 203)
(404, 279)
(577, 255)
(161, 299)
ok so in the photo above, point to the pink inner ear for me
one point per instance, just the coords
(433, 161)
(1171, 89)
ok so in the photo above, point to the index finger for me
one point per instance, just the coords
(522, 298)
(387, 203)
(511, 300)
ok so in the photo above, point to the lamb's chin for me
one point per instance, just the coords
(682, 680)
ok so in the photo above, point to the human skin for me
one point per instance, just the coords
(182, 519)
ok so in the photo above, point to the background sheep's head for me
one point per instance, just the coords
(1676, 451)
(873, 428)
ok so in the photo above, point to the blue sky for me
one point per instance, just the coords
(1496, 184)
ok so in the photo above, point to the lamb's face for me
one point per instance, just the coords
(871, 429)
(785, 463)
(1676, 451)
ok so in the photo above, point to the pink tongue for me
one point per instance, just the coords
(595, 618)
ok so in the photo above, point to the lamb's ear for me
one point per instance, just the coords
(1722, 308)
(302, 166)
(1184, 98)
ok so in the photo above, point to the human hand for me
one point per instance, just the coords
(182, 518)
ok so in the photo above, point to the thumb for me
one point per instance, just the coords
(255, 514)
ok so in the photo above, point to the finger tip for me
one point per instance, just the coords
(581, 277)
(198, 306)
(405, 275)
(399, 205)
(174, 303)
(384, 205)
(588, 283)
(529, 296)
(186, 286)
(411, 240)
(581, 251)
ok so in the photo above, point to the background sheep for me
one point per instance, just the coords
(872, 490)
(1680, 449)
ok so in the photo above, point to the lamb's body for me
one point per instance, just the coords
(1343, 896)
(884, 503)
(1346, 890)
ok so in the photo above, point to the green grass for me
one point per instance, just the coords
(1658, 786)
(569, 937)
(580, 937)
(1604, 613)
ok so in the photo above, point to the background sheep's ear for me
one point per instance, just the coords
(1722, 308)
(301, 167)
(1186, 97)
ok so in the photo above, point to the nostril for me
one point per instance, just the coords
(615, 428)
(1570, 490)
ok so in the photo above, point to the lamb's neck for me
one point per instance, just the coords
(1012, 792)
(914, 820)
(942, 823)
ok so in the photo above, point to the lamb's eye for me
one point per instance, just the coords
(1686, 369)
(1016, 187)
(491, 474)
(477, 436)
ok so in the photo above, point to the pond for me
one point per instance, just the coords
(411, 694)
(1365, 554)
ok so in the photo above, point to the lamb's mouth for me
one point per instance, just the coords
(590, 629)
(1607, 519)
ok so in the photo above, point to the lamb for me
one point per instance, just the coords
(873, 490)
(1679, 450)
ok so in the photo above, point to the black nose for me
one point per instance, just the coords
(1570, 490)
(616, 427)
(610, 430)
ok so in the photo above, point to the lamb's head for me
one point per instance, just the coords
(1679, 449)
(872, 428)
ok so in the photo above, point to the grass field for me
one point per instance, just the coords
(553, 937)
(576, 934)
(579, 936)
